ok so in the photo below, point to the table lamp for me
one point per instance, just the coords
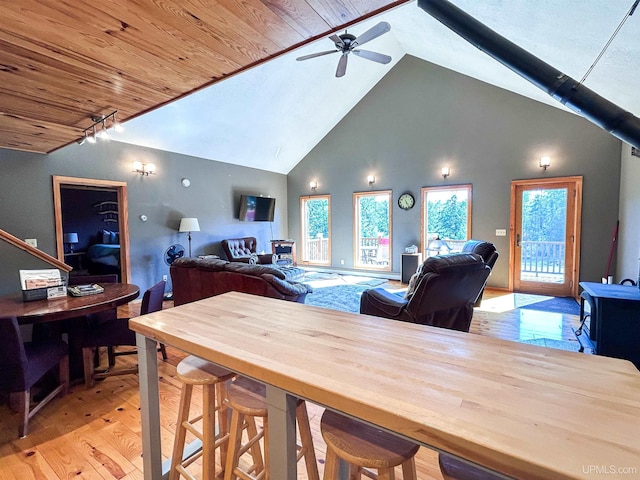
(70, 239)
(189, 225)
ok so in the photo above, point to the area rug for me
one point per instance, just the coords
(368, 281)
(567, 305)
(570, 346)
(345, 298)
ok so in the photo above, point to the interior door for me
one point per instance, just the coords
(545, 235)
(60, 182)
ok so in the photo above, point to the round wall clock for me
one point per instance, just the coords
(406, 201)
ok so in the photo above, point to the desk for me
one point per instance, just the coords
(41, 311)
(617, 320)
(527, 411)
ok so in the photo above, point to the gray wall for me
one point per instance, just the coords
(26, 203)
(629, 234)
(421, 117)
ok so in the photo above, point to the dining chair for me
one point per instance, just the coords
(24, 364)
(115, 333)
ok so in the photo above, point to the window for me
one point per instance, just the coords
(372, 230)
(315, 229)
(446, 219)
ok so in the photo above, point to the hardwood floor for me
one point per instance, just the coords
(95, 434)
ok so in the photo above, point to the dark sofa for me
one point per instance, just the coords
(197, 278)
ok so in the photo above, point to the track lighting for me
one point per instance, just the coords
(100, 129)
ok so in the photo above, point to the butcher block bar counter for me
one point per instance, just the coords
(521, 410)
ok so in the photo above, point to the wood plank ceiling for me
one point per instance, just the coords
(62, 62)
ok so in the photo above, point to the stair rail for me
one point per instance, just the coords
(45, 257)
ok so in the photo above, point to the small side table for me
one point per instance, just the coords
(285, 250)
(410, 264)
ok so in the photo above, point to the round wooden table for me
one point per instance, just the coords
(41, 311)
(57, 309)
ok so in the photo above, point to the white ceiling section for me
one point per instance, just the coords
(271, 116)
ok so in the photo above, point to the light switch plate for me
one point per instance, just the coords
(31, 241)
(501, 232)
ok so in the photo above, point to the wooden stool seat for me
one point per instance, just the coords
(247, 400)
(195, 371)
(364, 446)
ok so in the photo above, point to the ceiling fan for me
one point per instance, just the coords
(347, 43)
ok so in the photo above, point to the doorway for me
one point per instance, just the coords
(545, 236)
(116, 216)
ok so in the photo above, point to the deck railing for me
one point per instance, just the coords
(315, 250)
(542, 257)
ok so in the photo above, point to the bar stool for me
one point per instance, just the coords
(195, 371)
(246, 398)
(363, 446)
(454, 469)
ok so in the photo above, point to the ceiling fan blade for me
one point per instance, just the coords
(342, 65)
(337, 40)
(375, 56)
(373, 32)
(313, 55)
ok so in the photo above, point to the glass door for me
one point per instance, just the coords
(544, 236)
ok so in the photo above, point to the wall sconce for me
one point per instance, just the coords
(446, 171)
(313, 185)
(99, 128)
(371, 179)
(545, 162)
(144, 168)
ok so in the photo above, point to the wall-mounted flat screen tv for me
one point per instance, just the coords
(257, 209)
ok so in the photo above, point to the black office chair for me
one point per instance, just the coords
(24, 364)
(115, 333)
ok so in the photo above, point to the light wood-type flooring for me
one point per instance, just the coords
(95, 434)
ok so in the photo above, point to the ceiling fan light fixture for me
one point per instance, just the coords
(346, 43)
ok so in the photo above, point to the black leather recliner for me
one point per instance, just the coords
(488, 253)
(442, 294)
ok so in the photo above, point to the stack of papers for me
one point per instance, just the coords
(82, 290)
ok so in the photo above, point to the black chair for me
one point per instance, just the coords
(23, 364)
(441, 294)
(115, 333)
(488, 253)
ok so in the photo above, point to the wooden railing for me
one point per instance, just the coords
(16, 242)
(542, 257)
(315, 250)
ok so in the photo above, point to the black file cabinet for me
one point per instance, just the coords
(410, 263)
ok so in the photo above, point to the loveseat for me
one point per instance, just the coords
(244, 250)
(197, 278)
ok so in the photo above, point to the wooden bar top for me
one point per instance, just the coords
(523, 410)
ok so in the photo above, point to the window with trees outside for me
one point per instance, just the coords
(315, 228)
(446, 219)
(372, 230)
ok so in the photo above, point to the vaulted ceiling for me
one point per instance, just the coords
(63, 62)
